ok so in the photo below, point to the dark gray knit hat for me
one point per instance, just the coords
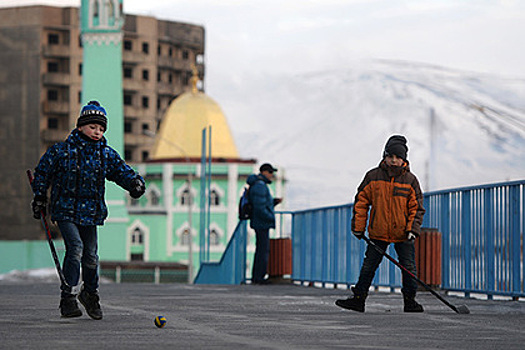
(93, 113)
(396, 144)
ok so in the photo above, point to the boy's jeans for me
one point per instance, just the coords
(81, 250)
(407, 257)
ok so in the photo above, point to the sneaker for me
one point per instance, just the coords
(411, 305)
(356, 303)
(69, 307)
(91, 302)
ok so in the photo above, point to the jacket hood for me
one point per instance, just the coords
(253, 178)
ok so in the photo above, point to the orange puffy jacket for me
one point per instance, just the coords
(396, 200)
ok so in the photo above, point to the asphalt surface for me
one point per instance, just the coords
(279, 316)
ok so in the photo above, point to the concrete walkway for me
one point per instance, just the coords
(254, 317)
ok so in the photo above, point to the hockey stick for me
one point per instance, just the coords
(461, 309)
(50, 239)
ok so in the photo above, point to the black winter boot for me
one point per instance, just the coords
(69, 307)
(91, 303)
(411, 305)
(356, 303)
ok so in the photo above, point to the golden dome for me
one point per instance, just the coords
(180, 133)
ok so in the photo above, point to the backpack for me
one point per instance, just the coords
(245, 207)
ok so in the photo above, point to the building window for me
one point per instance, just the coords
(170, 78)
(52, 67)
(185, 54)
(128, 100)
(145, 101)
(185, 237)
(137, 257)
(215, 198)
(186, 197)
(214, 237)
(187, 78)
(53, 39)
(137, 237)
(52, 95)
(80, 97)
(145, 74)
(128, 127)
(170, 52)
(52, 123)
(128, 72)
(127, 155)
(159, 76)
(158, 104)
(154, 197)
(128, 45)
(80, 69)
(145, 156)
(145, 126)
(159, 50)
(145, 47)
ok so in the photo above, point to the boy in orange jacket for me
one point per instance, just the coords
(393, 196)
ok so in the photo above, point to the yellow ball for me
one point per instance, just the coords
(160, 321)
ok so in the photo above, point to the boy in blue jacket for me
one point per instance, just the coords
(76, 170)
(262, 219)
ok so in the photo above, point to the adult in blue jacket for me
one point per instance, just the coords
(262, 219)
(76, 171)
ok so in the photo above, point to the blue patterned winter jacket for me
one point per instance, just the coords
(76, 170)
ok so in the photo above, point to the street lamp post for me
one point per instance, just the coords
(150, 133)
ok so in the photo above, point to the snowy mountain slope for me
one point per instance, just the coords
(327, 128)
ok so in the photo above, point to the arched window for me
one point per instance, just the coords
(185, 237)
(186, 197)
(154, 196)
(214, 237)
(137, 237)
(215, 198)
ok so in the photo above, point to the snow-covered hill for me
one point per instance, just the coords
(327, 128)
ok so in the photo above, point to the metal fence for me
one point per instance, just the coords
(482, 241)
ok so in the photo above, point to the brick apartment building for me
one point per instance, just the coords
(40, 91)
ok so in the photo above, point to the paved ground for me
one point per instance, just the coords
(255, 317)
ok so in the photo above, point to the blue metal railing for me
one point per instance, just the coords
(231, 269)
(482, 230)
(482, 246)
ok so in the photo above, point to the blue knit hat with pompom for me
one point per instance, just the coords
(93, 113)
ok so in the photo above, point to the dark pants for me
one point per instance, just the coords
(407, 258)
(262, 254)
(81, 250)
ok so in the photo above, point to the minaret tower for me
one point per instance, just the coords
(101, 34)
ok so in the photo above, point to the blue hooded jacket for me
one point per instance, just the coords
(263, 214)
(76, 170)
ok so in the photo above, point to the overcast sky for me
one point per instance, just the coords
(294, 36)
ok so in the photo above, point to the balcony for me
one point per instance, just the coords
(53, 135)
(131, 57)
(60, 79)
(56, 51)
(55, 107)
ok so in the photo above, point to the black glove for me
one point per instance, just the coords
(359, 235)
(137, 188)
(38, 205)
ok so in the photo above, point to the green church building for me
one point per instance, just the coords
(163, 226)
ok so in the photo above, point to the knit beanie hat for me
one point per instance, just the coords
(93, 113)
(396, 144)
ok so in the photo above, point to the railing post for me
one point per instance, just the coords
(466, 232)
(488, 228)
(515, 241)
